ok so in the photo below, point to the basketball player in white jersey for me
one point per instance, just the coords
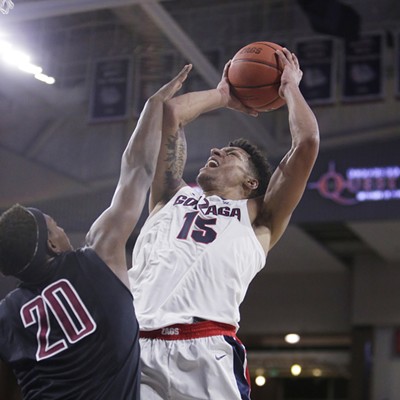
(198, 252)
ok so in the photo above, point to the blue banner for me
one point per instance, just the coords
(363, 68)
(316, 59)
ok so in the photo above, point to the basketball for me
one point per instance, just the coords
(255, 76)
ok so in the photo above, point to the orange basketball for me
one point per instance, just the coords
(255, 76)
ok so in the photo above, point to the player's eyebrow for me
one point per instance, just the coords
(237, 151)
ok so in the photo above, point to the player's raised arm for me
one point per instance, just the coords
(178, 112)
(289, 180)
(110, 232)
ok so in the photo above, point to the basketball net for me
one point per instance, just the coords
(6, 6)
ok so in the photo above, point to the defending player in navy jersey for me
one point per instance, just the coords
(69, 330)
(198, 251)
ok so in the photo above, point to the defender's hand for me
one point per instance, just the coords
(170, 88)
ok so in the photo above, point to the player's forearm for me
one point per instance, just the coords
(181, 110)
(143, 147)
(302, 122)
(170, 166)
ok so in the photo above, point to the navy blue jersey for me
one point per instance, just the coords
(74, 336)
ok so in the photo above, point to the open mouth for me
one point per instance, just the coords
(212, 163)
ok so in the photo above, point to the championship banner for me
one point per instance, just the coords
(110, 90)
(316, 59)
(363, 68)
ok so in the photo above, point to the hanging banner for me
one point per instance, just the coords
(152, 71)
(397, 342)
(110, 90)
(316, 59)
(363, 68)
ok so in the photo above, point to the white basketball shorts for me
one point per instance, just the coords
(200, 361)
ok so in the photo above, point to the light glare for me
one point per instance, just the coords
(4, 46)
(20, 60)
(260, 380)
(292, 338)
(46, 79)
(30, 68)
(295, 369)
(15, 57)
(316, 372)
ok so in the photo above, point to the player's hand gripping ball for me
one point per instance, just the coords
(255, 76)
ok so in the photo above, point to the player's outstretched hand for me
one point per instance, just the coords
(170, 88)
(228, 97)
(292, 73)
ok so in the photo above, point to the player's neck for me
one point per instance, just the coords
(228, 194)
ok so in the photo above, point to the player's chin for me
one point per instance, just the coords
(203, 176)
(204, 170)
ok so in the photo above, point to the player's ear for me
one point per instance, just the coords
(251, 183)
(52, 248)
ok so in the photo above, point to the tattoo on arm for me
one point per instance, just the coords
(175, 159)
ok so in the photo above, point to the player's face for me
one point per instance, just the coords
(57, 235)
(229, 166)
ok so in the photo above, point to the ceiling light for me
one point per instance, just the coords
(260, 380)
(295, 369)
(30, 68)
(22, 61)
(15, 57)
(317, 372)
(292, 338)
(46, 79)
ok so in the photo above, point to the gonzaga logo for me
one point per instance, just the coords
(204, 206)
(359, 184)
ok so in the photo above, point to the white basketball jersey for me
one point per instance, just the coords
(194, 258)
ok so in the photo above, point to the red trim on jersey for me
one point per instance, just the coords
(190, 331)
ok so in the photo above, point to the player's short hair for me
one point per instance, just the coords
(18, 238)
(260, 166)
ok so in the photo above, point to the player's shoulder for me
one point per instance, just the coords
(89, 254)
(181, 193)
(256, 209)
(185, 189)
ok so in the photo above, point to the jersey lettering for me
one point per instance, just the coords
(205, 207)
(202, 233)
(186, 201)
(36, 312)
(61, 299)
